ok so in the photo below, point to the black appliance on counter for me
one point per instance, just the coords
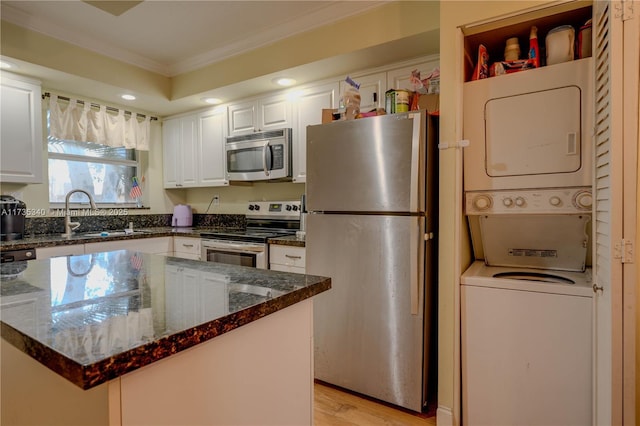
(14, 256)
(12, 218)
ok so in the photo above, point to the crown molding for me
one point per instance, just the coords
(317, 19)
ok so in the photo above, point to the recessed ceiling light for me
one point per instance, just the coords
(284, 81)
(212, 101)
(5, 65)
(128, 97)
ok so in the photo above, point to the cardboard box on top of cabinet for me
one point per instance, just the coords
(430, 102)
(328, 115)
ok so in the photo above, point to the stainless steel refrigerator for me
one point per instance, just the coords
(371, 193)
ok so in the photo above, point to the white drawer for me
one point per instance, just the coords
(287, 255)
(286, 268)
(157, 245)
(187, 245)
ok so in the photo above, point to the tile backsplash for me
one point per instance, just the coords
(54, 225)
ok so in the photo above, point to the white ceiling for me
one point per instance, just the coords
(174, 37)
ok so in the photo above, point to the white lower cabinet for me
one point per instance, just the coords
(287, 258)
(193, 297)
(187, 248)
(59, 251)
(159, 245)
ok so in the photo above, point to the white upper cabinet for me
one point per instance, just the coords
(273, 112)
(399, 78)
(170, 146)
(308, 111)
(372, 89)
(21, 130)
(180, 143)
(194, 145)
(194, 149)
(242, 118)
(211, 155)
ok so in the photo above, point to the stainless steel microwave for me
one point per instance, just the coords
(259, 156)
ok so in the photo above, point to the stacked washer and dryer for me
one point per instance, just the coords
(527, 298)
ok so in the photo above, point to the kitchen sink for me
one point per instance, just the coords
(114, 233)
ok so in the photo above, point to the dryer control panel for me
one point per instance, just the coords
(530, 201)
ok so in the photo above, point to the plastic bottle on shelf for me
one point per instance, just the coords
(534, 50)
(512, 50)
(351, 98)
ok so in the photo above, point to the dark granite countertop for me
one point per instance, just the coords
(92, 318)
(52, 240)
(288, 240)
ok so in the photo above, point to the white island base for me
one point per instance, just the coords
(257, 374)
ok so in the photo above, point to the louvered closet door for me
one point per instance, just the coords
(631, 220)
(608, 213)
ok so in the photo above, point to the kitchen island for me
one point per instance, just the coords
(122, 338)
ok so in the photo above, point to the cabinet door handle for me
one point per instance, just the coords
(187, 245)
(290, 256)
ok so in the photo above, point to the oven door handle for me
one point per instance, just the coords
(234, 247)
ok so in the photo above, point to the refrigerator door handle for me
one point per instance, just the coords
(417, 266)
(414, 200)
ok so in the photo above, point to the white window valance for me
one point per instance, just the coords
(79, 122)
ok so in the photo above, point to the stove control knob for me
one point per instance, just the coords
(295, 208)
(288, 207)
(555, 201)
(508, 202)
(256, 207)
(583, 200)
(251, 207)
(520, 202)
(482, 202)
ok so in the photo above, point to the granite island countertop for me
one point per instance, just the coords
(92, 318)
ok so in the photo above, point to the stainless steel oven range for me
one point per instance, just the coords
(249, 247)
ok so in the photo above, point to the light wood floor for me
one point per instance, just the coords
(334, 407)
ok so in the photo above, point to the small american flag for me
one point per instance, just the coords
(136, 261)
(135, 192)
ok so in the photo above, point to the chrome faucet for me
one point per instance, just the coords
(68, 225)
